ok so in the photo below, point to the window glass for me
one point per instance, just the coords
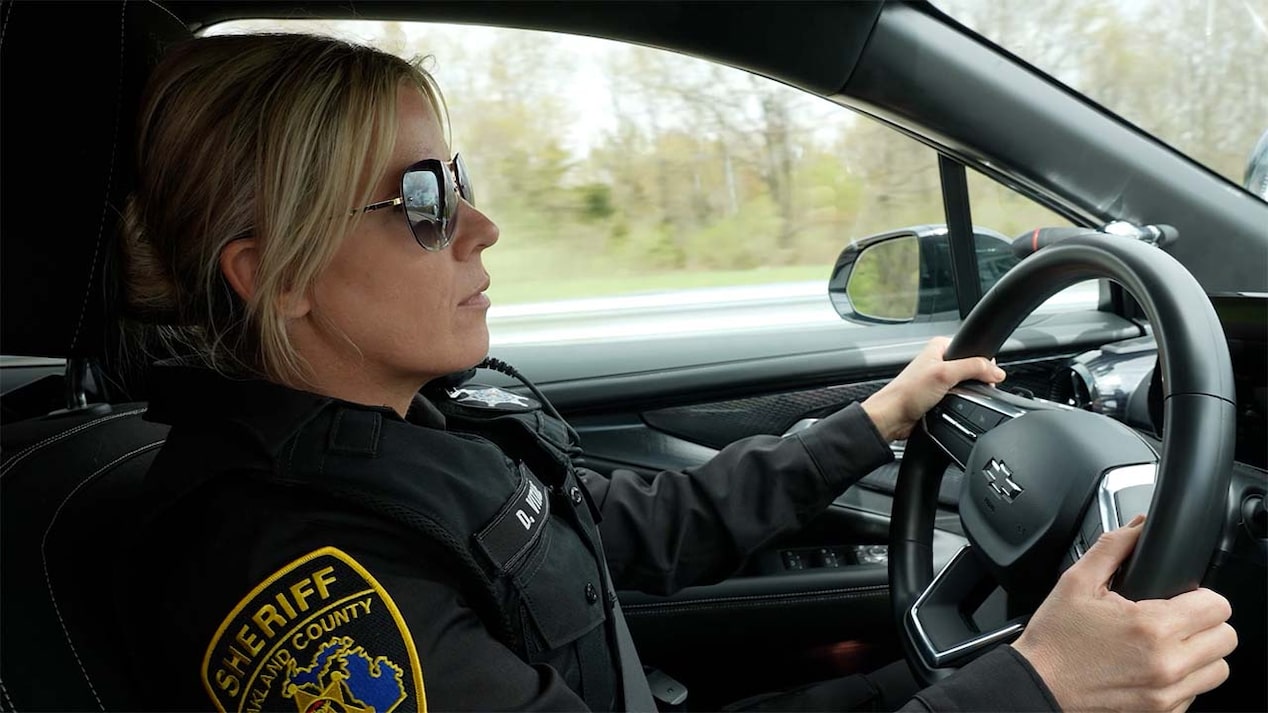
(885, 284)
(994, 258)
(1001, 215)
(994, 255)
(627, 178)
(1190, 72)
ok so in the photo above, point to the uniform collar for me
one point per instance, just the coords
(183, 394)
(424, 413)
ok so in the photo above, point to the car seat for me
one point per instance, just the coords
(72, 76)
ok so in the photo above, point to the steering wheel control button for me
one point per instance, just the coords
(985, 419)
(592, 594)
(977, 417)
(1125, 492)
(1132, 502)
(959, 427)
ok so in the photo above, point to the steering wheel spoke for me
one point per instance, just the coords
(1123, 493)
(948, 625)
(1042, 481)
(970, 411)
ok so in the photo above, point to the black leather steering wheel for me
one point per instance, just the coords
(1043, 481)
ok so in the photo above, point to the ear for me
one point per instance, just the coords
(240, 261)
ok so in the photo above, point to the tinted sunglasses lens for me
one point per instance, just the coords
(451, 200)
(425, 209)
(464, 179)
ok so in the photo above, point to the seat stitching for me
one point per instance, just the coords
(105, 207)
(9, 464)
(169, 13)
(757, 598)
(721, 604)
(48, 580)
(3, 28)
(8, 700)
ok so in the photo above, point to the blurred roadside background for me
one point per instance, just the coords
(616, 170)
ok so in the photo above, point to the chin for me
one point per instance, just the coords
(473, 350)
(478, 343)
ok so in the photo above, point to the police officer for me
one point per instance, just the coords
(322, 535)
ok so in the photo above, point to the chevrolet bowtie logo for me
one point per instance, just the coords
(1000, 478)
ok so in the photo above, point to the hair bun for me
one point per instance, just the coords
(149, 290)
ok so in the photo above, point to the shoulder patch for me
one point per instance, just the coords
(491, 398)
(320, 635)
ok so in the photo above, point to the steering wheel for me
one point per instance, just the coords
(1043, 481)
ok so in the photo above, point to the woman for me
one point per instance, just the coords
(323, 536)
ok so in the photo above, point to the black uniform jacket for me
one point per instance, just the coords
(257, 587)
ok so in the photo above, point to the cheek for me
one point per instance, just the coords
(395, 304)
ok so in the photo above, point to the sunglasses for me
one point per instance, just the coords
(430, 190)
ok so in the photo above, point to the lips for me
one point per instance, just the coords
(477, 298)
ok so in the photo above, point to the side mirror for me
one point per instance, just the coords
(877, 279)
(906, 276)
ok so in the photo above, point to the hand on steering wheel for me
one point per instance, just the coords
(1043, 482)
(897, 407)
(1096, 650)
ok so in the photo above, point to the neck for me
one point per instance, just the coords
(341, 372)
(354, 387)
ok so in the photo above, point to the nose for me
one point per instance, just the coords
(475, 231)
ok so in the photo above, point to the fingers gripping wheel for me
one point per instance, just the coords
(1043, 481)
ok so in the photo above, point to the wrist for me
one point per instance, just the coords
(879, 410)
(1042, 667)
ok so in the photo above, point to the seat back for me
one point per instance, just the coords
(66, 506)
(71, 76)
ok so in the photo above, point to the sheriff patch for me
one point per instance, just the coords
(491, 398)
(318, 636)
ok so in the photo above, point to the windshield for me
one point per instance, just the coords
(1190, 72)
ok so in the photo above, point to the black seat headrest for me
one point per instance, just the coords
(72, 76)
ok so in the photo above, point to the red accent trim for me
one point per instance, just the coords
(1034, 241)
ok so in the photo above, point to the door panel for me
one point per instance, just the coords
(647, 408)
(637, 375)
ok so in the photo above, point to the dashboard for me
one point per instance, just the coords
(1122, 379)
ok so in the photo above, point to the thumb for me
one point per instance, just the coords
(1104, 558)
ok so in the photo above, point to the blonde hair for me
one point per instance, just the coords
(273, 137)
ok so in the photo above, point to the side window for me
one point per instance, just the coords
(634, 186)
(641, 192)
(937, 284)
(870, 282)
(1002, 215)
(994, 257)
